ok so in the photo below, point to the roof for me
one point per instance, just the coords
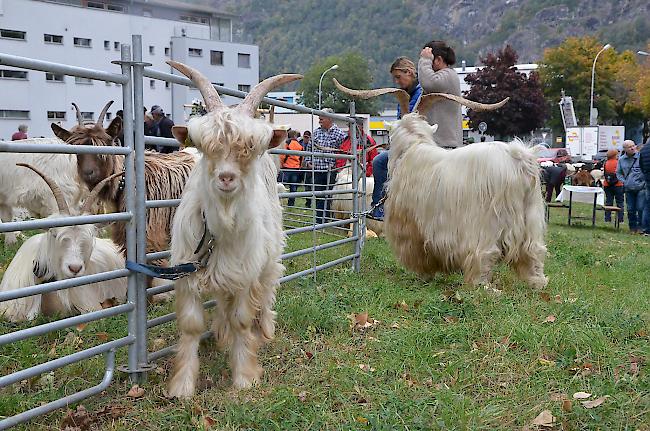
(185, 5)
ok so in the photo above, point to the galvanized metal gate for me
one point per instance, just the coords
(298, 220)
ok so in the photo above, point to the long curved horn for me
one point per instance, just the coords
(92, 197)
(80, 119)
(253, 99)
(402, 96)
(426, 101)
(100, 120)
(56, 191)
(210, 95)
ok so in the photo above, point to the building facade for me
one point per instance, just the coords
(89, 34)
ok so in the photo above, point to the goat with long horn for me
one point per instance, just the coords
(232, 195)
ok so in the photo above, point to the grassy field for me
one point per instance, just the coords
(435, 355)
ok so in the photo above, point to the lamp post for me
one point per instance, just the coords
(336, 66)
(593, 119)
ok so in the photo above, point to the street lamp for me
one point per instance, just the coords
(336, 66)
(593, 119)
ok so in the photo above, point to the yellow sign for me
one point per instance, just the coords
(377, 125)
(465, 124)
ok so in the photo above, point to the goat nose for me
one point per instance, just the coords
(226, 177)
(74, 268)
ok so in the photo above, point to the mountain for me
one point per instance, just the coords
(291, 34)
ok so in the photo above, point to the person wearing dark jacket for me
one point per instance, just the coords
(644, 164)
(554, 178)
(161, 127)
(629, 172)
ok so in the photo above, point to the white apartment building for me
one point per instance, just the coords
(89, 33)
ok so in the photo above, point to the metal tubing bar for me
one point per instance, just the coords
(159, 255)
(162, 203)
(64, 361)
(65, 401)
(165, 142)
(154, 356)
(48, 66)
(176, 79)
(160, 289)
(318, 194)
(9, 147)
(39, 289)
(172, 316)
(355, 203)
(318, 226)
(129, 195)
(47, 223)
(35, 331)
(291, 277)
(309, 250)
(309, 153)
(140, 205)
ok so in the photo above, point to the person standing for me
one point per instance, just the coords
(290, 164)
(161, 127)
(346, 147)
(405, 77)
(629, 172)
(437, 75)
(327, 137)
(612, 185)
(306, 177)
(20, 134)
(644, 163)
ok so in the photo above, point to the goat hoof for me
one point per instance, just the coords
(180, 389)
(242, 382)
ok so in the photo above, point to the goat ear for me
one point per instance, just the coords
(279, 136)
(114, 128)
(182, 136)
(60, 132)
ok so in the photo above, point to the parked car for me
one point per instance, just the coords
(555, 155)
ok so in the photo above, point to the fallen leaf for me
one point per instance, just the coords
(361, 319)
(642, 333)
(103, 336)
(558, 299)
(135, 392)
(208, 422)
(401, 306)
(80, 327)
(544, 419)
(549, 319)
(114, 412)
(546, 297)
(594, 403)
(581, 395)
(362, 420)
(546, 362)
(302, 396)
(77, 420)
(395, 325)
(309, 355)
(567, 405)
(450, 319)
(366, 367)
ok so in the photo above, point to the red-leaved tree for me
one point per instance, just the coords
(527, 108)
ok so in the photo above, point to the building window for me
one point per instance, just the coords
(216, 58)
(53, 38)
(80, 80)
(13, 74)
(12, 34)
(167, 51)
(82, 42)
(11, 114)
(96, 5)
(107, 44)
(148, 13)
(54, 77)
(196, 19)
(168, 85)
(195, 52)
(115, 8)
(116, 46)
(109, 116)
(152, 84)
(244, 60)
(152, 50)
(90, 116)
(244, 87)
(56, 115)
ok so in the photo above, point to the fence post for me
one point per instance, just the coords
(129, 188)
(140, 206)
(356, 232)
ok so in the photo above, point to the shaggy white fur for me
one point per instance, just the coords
(342, 204)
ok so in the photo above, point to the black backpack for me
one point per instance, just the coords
(611, 178)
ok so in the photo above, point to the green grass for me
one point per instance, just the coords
(458, 358)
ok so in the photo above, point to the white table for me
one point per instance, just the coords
(590, 195)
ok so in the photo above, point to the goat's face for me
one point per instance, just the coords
(71, 248)
(231, 144)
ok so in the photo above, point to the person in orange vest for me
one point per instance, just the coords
(346, 146)
(291, 164)
(612, 185)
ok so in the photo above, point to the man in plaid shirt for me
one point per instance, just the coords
(328, 135)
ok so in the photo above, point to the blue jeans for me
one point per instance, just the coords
(635, 201)
(380, 174)
(292, 178)
(646, 212)
(612, 192)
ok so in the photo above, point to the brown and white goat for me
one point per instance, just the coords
(165, 176)
(232, 197)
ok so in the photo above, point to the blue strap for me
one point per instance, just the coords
(171, 273)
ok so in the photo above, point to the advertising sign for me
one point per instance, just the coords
(610, 137)
(574, 141)
(589, 142)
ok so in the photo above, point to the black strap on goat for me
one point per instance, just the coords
(180, 270)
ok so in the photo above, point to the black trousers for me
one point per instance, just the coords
(322, 181)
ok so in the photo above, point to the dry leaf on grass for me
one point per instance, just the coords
(544, 419)
(402, 305)
(362, 321)
(80, 327)
(78, 419)
(395, 325)
(302, 396)
(366, 367)
(567, 405)
(581, 395)
(594, 403)
(546, 297)
(549, 319)
(557, 299)
(362, 420)
(546, 362)
(208, 422)
(450, 319)
(135, 392)
(112, 412)
(102, 336)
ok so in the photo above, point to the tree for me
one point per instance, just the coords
(526, 110)
(353, 72)
(643, 94)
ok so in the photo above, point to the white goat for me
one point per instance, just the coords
(62, 253)
(231, 197)
(463, 209)
(342, 205)
(18, 190)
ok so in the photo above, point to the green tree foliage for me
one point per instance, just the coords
(353, 72)
(525, 111)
